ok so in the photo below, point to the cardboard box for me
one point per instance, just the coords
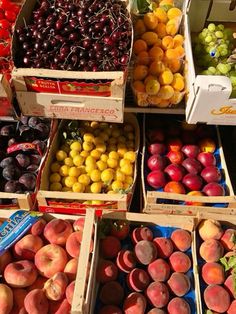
(70, 202)
(209, 96)
(59, 94)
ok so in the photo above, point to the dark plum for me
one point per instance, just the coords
(23, 160)
(32, 168)
(24, 119)
(28, 180)
(33, 121)
(11, 172)
(43, 130)
(35, 159)
(13, 186)
(8, 161)
(8, 130)
(11, 141)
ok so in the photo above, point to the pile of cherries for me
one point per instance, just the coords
(83, 35)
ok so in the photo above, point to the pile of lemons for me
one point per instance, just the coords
(101, 162)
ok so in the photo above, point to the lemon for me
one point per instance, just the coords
(114, 155)
(112, 141)
(122, 139)
(126, 186)
(73, 153)
(61, 155)
(124, 162)
(78, 160)
(121, 151)
(127, 169)
(63, 181)
(103, 125)
(98, 140)
(87, 189)
(112, 163)
(95, 154)
(87, 146)
(101, 165)
(66, 148)
(66, 189)
(101, 147)
(96, 187)
(88, 137)
(76, 146)
(87, 202)
(130, 136)
(82, 169)
(111, 148)
(119, 175)
(78, 187)
(69, 181)
(116, 133)
(97, 202)
(69, 161)
(84, 154)
(121, 145)
(84, 179)
(131, 156)
(104, 157)
(108, 131)
(64, 170)
(55, 177)
(107, 175)
(55, 166)
(152, 87)
(55, 186)
(96, 132)
(111, 192)
(129, 180)
(130, 145)
(117, 186)
(94, 124)
(74, 172)
(104, 136)
(95, 175)
(90, 160)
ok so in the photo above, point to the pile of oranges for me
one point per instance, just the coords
(159, 52)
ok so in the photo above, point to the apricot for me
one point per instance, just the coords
(180, 262)
(27, 247)
(182, 239)
(178, 305)
(213, 273)
(126, 260)
(70, 292)
(110, 309)
(216, 298)
(174, 187)
(179, 284)
(38, 284)
(229, 286)
(135, 303)
(211, 250)
(158, 294)
(232, 308)
(145, 252)
(5, 259)
(36, 302)
(20, 274)
(111, 293)
(57, 231)
(228, 239)
(55, 287)
(19, 296)
(164, 247)
(6, 299)
(110, 246)
(38, 227)
(159, 270)
(106, 271)
(210, 229)
(59, 307)
(141, 233)
(156, 311)
(138, 280)
(71, 269)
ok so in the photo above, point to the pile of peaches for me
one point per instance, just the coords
(218, 266)
(141, 270)
(38, 273)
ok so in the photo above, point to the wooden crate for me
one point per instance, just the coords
(171, 203)
(86, 258)
(185, 222)
(49, 103)
(68, 202)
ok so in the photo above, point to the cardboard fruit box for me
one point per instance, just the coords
(161, 226)
(67, 94)
(6, 98)
(73, 202)
(209, 100)
(19, 225)
(158, 201)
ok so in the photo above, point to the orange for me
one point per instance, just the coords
(176, 98)
(173, 13)
(156, 54)
(164, 2)
(171, 54)
(161, 15)
(178, 40)
(154, 100)
(156, 67)
(149, 77)
(139, 86)
(150, 38)
(150, 20)
(178, 82)
(139, 45)
(139, 27)
(173, 64)
(158, 43)
(140, 72)
(152, 87)
(143, 58)
(166, 92)
(166, 77)
(167, 42)
(161, 30)
(180, 52)
(164, 103)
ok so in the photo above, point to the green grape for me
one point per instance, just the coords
(211, 27)
(211, 70)
(224, 53)
(229, 33)
(219, 34)
(218, 72)
(205, 72)
(208, 39)
(233, 80)
(220, 27)
(223, 68)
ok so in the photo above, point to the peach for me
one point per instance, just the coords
(27, 247)
(38, 284)
(138, 280)
(50, 259)
(213, 273)
(211, 250)
(78, 225)
(5, 259)
(179, 284)
(164, 247)
(110, 309)
(57, 231)
(135, 303)
(228, 239)
(73, 244)
(71, 269)
(55, 287)
(229, 286)
(232, 308)
(6, 299)
(106, 271)
(145, 252)
(110, 246)
(38, 227)
(141, 233)
(70, 292)
(177, 306)
(216, 298)
(195, 193)
(159, 270)
(180, 262)
(111, 293)
(156, 311)
(158, 294)
(182, 239)
(59, 307)
(126, 260)
(20, 274)
(36, 302)
(18, 297)
(210, 229)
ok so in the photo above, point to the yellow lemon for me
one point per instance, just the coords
(119, 175)
(88, 146)
(78, 187)
(88, 137)
(55, 166)
(95, 154)
(55, 186)
(90, 160)
(104, 157)
(173, 13)
(129, 180)
(66, 148)
(101, 147)
(114, 155)
(61, 155)
(66, 189)
(84, 154)
(64, 170)
(112, 163)
(104, 136)
(98, 140)
(90, 168)
(97, 202)
(76, 146)
(152, 87)
(74, 172)
(84, 179)
(131, 156)
(112, 140)
(69, 162)
(101, 165)
(96, 187)
(55, 177)
(94, 124)
(111, 148)
(107, 175)
(78, 160)
(82, 169)
(70, 181)
(116, 133)
(117, 186)
(122, 139)
(127, 169)
(73, 153)
(95, 175)
(111, 192)
(121, 151)
(124, 162)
